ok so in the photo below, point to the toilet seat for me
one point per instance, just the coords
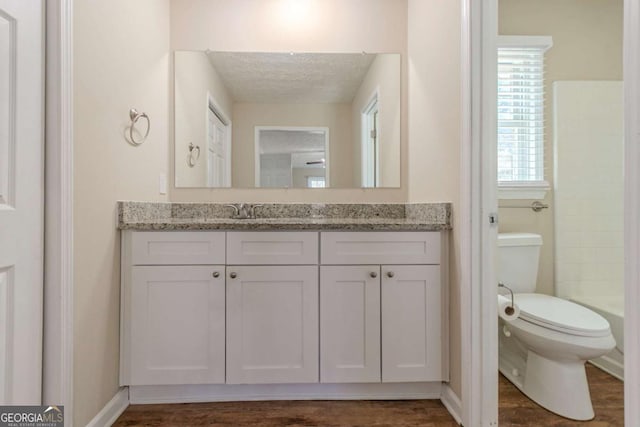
(561, 315)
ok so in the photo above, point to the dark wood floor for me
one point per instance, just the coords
(292, 413)
(515, 410)
(607, 396)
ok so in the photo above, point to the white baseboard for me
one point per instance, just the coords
(610, 366)
(452, 402)
(112, 410)
(225, 393)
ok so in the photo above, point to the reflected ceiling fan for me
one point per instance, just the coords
(316, 162)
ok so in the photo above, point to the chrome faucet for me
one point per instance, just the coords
(243, 210)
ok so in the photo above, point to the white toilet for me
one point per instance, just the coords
(544, 350)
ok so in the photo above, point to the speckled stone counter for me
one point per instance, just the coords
(286, 216)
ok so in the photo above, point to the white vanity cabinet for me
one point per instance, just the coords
(272, 324)
(388, 313)
(173, 308)
(177, 326)
(272, 307)
(350, 324)
(412, 322)
(336, 314)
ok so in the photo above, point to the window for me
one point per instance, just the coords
(521, 100)
(315, 182)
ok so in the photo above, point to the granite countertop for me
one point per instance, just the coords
(150, 216)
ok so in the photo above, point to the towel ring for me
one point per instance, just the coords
(135, 116)
(193, 158)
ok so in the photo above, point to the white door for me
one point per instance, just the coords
(177, 325)
(272, 324)
(21, 200)
(411, 323)
(350, 324)
(217, 152)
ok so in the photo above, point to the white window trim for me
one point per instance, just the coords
(524, 190)
(543, 42)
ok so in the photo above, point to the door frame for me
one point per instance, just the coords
(372, 102)
(327, 154)
(214, 106)
(478, 201)
(632, 212)
(58, 280)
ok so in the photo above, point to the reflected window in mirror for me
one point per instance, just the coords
(316, 182)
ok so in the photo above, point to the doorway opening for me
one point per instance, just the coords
(514, 211)
(292, 157)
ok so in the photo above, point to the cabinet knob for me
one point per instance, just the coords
(373, 274)
(216, 274)
(233, 275)
(390, 274)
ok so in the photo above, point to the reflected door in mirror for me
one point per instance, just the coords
(218, 151)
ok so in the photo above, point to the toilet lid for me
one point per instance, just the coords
(561, 315)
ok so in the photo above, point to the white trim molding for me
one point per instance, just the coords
(259, 392)
(478, 201)
(523, 191)
(632, 212)
(112, 410)
(542, 42)
(58, 290)
(452, 402)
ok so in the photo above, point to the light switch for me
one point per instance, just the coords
(163, 183)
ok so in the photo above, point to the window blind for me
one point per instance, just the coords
(521, 114)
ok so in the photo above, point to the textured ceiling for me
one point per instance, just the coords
(291, 141)
(279, 78)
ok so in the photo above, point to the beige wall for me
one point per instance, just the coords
(434, 131)
(263, 25)
(384, 77)
(587, 45)
(112, 75)
(121, 60)
(337, 117)
(194, 79)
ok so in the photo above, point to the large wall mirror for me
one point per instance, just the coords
(287, 120)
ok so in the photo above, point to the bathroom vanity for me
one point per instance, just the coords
(304, 302)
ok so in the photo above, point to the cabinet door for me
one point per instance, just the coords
(177, 325)
(272, 324)
(411, 323)
(350, 324)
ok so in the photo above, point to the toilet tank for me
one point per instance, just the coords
(518, 256)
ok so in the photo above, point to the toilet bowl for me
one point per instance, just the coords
(544, 350)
